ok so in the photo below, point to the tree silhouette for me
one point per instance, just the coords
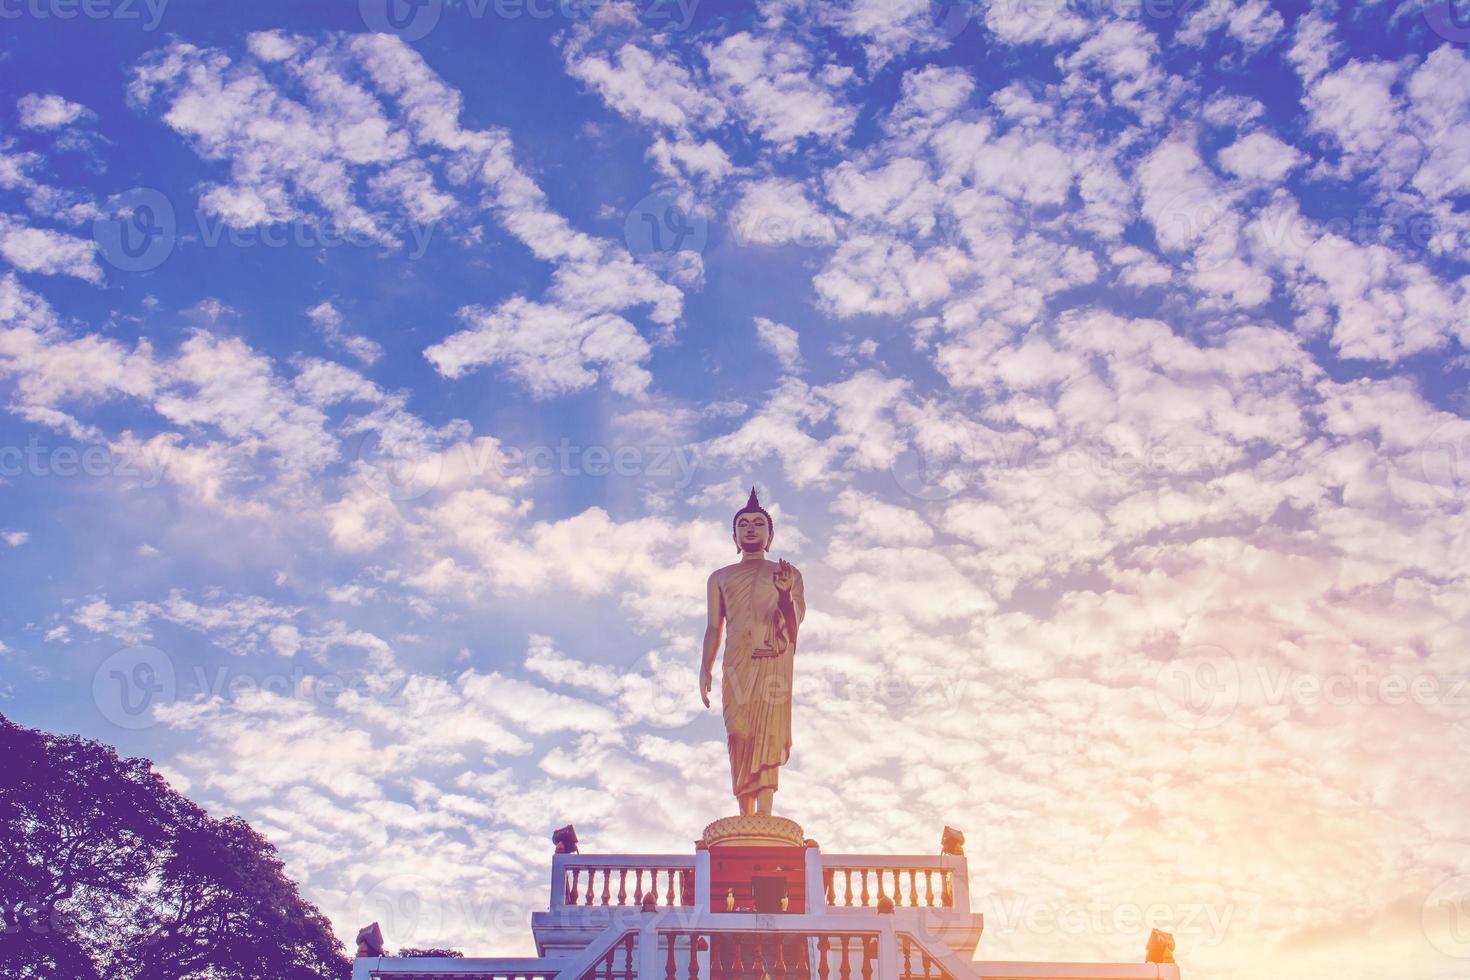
(107, 872)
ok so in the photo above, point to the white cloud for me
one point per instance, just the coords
(773, 87)
(1253, 23)
(548, 349)
(781, 341)
(372, 109)
(778, 212)
(329, 320)
(49, 111)
(1261, 156)
(15, 538)
(48, 252)
(649, 87)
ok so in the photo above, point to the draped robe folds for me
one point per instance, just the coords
(755, 682)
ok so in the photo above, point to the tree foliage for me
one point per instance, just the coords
(107, 872)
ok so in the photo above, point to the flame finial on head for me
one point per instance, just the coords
(753, 506)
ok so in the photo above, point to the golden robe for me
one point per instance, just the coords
(755, 681)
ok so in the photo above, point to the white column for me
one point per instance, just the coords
(701, 881)
(558, 882)
(816, 886)
(887, 948)
(961, 880)
(649, 966)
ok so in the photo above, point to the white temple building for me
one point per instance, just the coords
(757, 909)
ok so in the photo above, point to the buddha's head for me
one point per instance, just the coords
(752, 529)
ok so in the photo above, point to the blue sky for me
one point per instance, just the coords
(365, 451)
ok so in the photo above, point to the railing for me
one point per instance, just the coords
(431, 968)
(589, 880)
(606, 966)
(769, 954)
(909, 882)
(612, 956)
(915, 963)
